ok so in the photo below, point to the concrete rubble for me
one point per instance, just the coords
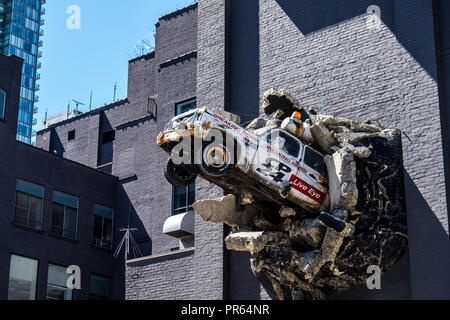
(299, 256)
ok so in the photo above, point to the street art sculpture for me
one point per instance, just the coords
(315, 199)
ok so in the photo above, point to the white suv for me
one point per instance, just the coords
(266, 166)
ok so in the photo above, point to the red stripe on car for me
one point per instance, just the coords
(307, 189)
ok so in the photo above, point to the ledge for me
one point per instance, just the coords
(26, 228)
(51, 235)
(181, 58)
(179, 12)
(159, 257)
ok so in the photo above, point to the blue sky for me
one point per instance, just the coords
(96, 56)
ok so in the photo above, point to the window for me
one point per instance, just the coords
(183, 198)
(29, 205)
(71, 135)
(284, 142)
(109, 137)
(103, 226)
(2, 103)
(315, 161)
(57, 283)
(22, 278)
(64, 215)
(185, 106)
(99, 288)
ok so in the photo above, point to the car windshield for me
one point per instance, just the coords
(315, 161)
(282, 141)
(188, 118)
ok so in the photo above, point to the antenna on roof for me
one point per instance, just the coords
(90, 102)
(45, 119)
(115, 89)
(126, 240)
(77, 103)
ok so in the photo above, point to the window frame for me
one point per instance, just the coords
(3, 109)
(64, 218)
(95, 242)
(183, 103)
(36, 274)
(69, 135)
(188, 207)
(323, 172)
(28, 206)
(48, 284)
(299, 143)
(90, 287)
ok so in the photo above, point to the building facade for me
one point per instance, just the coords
(385, 61)
(20, 32)
(55, 213)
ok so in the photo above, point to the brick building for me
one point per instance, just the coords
(337, 58)
(49, 210)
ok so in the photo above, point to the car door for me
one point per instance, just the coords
(309, 184)
(277, 159)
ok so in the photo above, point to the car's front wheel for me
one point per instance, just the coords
(216, 159)
(178, 175)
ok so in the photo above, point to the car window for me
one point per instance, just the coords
(282, 141)
(315, 161)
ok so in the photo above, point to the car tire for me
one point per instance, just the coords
(216, 159)
(178, 175)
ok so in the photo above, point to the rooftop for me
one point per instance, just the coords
(85, 114)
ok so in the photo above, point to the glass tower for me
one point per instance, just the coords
(20, 23)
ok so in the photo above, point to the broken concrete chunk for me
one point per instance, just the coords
(256, 124)
(247, 198)
(279, 100)
(254, 242)
(323, 137)
(287, 212)
(309, 231)
(341, 124)
(222, 210)
(360, 152)
(342, 183)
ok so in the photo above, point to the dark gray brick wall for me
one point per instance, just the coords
(166, 278)
(386, 75)
(176, 34)
(330, 59)
(144, 197)
(211, 89)
(141, 78)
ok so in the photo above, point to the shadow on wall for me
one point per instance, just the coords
(106, 142)
(305, 15)
(56, 144)
(430, 277)
(126, 216)
(427, 236)
(129, 217)
(244, 70)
